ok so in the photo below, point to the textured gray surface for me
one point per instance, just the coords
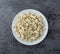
(9, 8)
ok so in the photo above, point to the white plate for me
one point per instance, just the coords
(45, 23)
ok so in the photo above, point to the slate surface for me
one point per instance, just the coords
(9, 8)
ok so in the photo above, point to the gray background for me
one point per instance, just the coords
(9, 8)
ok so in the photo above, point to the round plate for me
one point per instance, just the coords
(44, 21)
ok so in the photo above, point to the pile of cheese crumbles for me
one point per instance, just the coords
(29, 26)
